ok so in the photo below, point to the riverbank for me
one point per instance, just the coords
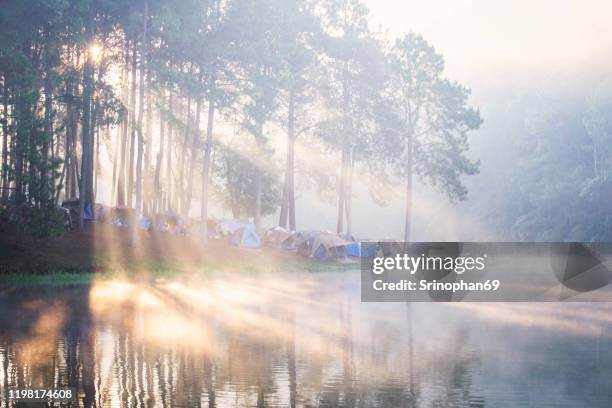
(104, 251)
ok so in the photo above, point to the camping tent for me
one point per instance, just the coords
(358, 249)
(101, 212)
(169, 221)
(327, 247)
(275, 236)
(145, 223)
(74, 207)
(246, 236)
(229, 226)
(300, 240)
(123, 217)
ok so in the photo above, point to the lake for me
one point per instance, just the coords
(298, 340)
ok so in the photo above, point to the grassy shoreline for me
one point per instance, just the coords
(102, 252)
(60, 278)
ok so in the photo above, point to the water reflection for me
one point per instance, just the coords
(299, 341)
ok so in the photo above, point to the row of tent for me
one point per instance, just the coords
(166, 221)
(319, 245)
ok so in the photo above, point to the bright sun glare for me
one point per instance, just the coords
(96, 52)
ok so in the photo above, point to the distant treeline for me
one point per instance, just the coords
(157, 83)
(546, 166)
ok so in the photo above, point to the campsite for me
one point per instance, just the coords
(167, 242)
(197, 196)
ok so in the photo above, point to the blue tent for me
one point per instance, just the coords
(74, 207)
(229, 226)
(246, 236)
(357, 249)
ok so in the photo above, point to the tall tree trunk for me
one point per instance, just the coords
(342, 188)
(292, 223)
(46, 174)
(160, 154)
(5, 137)
(70, 189)
(409, 170)
(345, 146)
(143, 59)
(123, 136)
(87, 92)
(180, 196)
(286, 202)
(93, 145)
(169, 184)
(121, 199)
(115, 163)
(130, 175)
(70, 149)
(19, 145)
(206, 162)
(146, 191)
(96, 161)
(258, 176)
(349, 192)
(195, 145)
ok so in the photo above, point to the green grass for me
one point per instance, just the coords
(158, 269)
(70, 278)
(57, 278)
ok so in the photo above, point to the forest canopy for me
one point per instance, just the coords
(179, 101)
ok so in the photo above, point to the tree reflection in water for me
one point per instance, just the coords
(300, 341)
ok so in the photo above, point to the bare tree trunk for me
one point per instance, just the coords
(87, 92)
(409, 169)
(74, 127)
(180, 196)
(341, 192)
(146, 191)
(286, 203)
(292, 222)
(143, 59)
(258, 177)
(124, 125)
(349, 192)
(345, 149)
(18, 155)
(206, 162)
(96, 161)
(169, 154)
(94, 148)
(58, 189)
(235, 207)
(5, 134)
(70, 148)
(195, 144)
(115, 163)
(121, 199)
(46, 175)
(160, 154)
(130, 175)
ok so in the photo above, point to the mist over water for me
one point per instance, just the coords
(298, 341)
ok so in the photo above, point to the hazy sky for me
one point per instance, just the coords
(493, 47)
(485, 37)
(498, 49)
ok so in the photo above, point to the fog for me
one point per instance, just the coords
(506, 54)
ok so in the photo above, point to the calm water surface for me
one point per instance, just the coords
(299, 341)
